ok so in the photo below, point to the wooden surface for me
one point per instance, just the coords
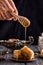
(39, 61)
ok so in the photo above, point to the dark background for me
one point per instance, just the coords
(33, 10)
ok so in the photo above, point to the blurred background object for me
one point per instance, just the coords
(40, 42)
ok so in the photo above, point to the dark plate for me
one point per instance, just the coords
(13, 45)
(20, 60)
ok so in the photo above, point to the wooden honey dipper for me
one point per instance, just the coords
(22, 20)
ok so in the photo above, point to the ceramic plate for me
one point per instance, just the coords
(20, 60)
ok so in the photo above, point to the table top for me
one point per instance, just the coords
(39, 61)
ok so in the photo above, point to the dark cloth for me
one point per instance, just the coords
(33, 10)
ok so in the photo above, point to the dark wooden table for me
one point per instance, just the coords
(39, 61)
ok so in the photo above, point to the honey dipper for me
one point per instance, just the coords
(25, 22)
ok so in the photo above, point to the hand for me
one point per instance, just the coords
(6, 8)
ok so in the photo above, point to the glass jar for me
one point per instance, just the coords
(40, 42)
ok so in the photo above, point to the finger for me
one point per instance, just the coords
(14, 18)
(3, 4)
(7, 5)
(10, 18)
(2, 14)
(6, 14)
(12, 4)
(9, 15)
(1, 17)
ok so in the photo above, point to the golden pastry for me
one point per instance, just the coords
(41, 52)
(27, 53)
(17, 54)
